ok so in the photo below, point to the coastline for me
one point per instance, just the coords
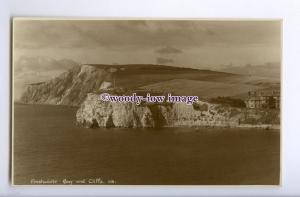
(242, 126)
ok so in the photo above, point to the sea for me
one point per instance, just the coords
(49, 148)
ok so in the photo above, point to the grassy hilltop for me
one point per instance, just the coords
(71, 87)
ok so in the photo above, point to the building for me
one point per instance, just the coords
(263, 99)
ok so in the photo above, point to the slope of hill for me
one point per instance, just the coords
(270, 69)
(71, 87)
(137, 75)
(203, 89)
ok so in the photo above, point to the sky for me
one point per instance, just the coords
(42, 49)
(194, 43)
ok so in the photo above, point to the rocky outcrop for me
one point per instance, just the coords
(70, 88)
(96, 113)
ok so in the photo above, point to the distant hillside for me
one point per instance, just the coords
(142, 75)
(71, 87)
(271, 69)
(203, 89)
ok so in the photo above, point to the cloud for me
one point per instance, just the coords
(161, 60)
(168, 50)
(141, 41)
(25, 65)
(141, 33)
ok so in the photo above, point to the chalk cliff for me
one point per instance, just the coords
(70, 88)
(96, 113)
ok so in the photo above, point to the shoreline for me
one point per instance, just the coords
(241, 126)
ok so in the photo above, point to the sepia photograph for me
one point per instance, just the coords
(146, 101)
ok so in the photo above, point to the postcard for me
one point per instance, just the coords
(146, 102)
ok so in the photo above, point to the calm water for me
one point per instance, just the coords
(48, 145)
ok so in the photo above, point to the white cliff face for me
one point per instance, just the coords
(70, 88)
(96, 113)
